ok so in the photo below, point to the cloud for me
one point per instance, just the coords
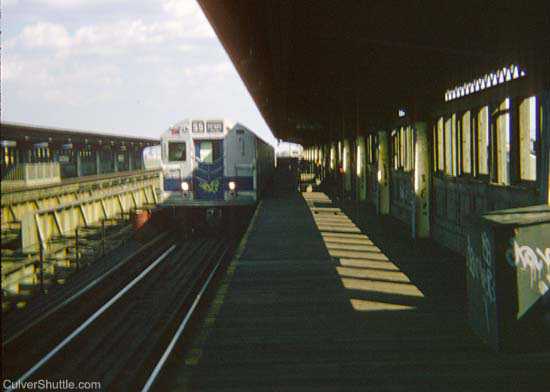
(45, 36)
(208, 70)
(75, 4)
(9, 3)
(52, 80)
(180, 8)
(123, 33)
(111, 37)
(11, 70)
(187, 19)
(148, 59)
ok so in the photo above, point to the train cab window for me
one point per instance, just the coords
(528, 138)
(177, 152)
(208, 151)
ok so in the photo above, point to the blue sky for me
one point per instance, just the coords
(117, 66)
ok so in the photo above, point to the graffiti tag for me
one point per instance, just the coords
(211, 187)
(480, 269)
(536, 262)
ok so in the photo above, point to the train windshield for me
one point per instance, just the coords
(208, 151)
(177, 151)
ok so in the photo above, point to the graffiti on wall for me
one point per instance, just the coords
(536, 262)
(406, 196)
(480, 269)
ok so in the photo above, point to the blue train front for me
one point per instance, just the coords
(211, 164)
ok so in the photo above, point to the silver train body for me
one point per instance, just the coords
(213, 163)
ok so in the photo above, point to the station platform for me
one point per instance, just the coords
(325, 296)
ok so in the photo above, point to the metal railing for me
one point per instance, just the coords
(67, 236)
(33, 174)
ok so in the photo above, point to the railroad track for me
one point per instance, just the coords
(122, 340)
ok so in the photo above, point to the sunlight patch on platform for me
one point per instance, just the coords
(396, 276)
(361, 265)
(362, 305)
(372, 264)
(358, 255)
(382, 287)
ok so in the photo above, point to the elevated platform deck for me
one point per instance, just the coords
(320, 300)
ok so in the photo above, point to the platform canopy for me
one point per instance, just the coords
(313, 66)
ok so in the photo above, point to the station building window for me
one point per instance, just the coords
(500, 172)
(395, 149)
(440, 145)
(409, 162)
(372, 147)
(456, 146)
(528, 138)
(449, 158)
(370, 152)
(434, 149)
(402, 147)
(483, 141)
(466, 138)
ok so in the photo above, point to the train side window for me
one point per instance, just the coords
(483, 141)
(177, 152)
(466, 133)
(528, 138)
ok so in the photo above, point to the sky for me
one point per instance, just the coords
(125, 67)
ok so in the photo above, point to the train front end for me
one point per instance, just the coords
(208, 164)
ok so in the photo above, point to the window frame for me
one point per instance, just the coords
(169, 144)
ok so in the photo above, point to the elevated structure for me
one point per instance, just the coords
(432, 113)
(60, 187)
(317, 68)
(435, 113)
(77, 153)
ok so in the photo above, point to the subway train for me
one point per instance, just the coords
(213, 165)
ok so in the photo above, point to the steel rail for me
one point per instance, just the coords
(156, 371)
(84, 325)
(82, 291)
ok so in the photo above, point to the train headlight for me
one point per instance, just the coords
(185, 186)
(232, 185)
